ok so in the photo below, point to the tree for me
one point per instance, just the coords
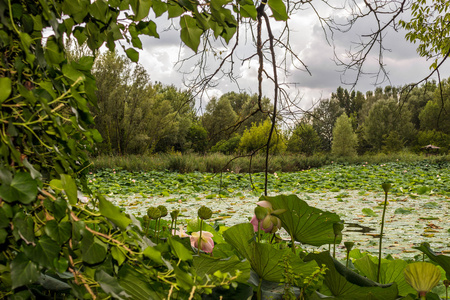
(436, 113)
(219, 119)
(386, 117)
(323, 118)
(304, 140)
(197, 137)
(254, 139)
(344, 138)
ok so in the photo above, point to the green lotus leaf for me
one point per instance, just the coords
(263, 258)
(422, 276)
(343, 283)
(308, 225)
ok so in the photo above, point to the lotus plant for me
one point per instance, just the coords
(204, 213)
(422, 276)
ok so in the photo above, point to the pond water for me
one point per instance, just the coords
(410, 219)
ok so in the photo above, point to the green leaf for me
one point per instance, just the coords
(108, 210)
(154, 255)
(59, 232)
(23, 227)
(369, 212)
(23, 271)
(391, 271)
(440, 259)
(73, 74)
(346, 284)
(3, 235)
(132, 54)
(190, 33)
(159, 7)
(206, 265)
(92, 249)
(140, 8)
(184, 279)
(23, 188)
(179, 250)
(248, 11)
(5, 88)
(308, 225)
(264, 259)
(278, 10)
(44, 252)
(52, 51)
(70, 188)
(135, 284)
(118, 255)
(110, 285)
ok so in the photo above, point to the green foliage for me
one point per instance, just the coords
(257, 137)
(384, 118)
(304, 140)
(229, 146)
(344, 139)
(197, 136)
(429, 27)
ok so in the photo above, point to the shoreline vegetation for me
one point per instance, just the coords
(217, 162)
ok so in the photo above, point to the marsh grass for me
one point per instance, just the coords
(217, 162)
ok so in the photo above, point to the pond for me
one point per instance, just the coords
(410, 219)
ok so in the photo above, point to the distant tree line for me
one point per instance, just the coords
(136, 116)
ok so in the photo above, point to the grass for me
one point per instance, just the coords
(217, 162)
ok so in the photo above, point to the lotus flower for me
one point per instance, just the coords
(270, 223)
(181, 233)
(206, 244)
(422, 276)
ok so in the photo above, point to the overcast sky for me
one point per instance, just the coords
(307, 39)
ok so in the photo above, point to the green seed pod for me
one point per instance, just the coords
(349, 245)
(154, 213)
(174, 214)
(338, 227)
(163, 210)
(204, 213)
(260, 212)
(386, 186)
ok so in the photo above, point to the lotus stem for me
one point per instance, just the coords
(199, 246)
(386, 187)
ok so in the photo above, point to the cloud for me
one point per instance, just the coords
(308, 42)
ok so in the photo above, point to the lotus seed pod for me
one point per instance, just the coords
(174, 214)
(204, 213)
(349, 245)
(386, 186)
(338, 227)
(260, 212)
(163, 210)
(153, 213)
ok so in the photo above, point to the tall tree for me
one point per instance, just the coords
(219, 119)
(323, 118)
(304, 139)
(344, 138)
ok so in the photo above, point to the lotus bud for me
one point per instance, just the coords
(260, 213)
(204, 213)
(163, 210)
(153, 213)
(174, 214)
(278, 211)
(386, 187)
